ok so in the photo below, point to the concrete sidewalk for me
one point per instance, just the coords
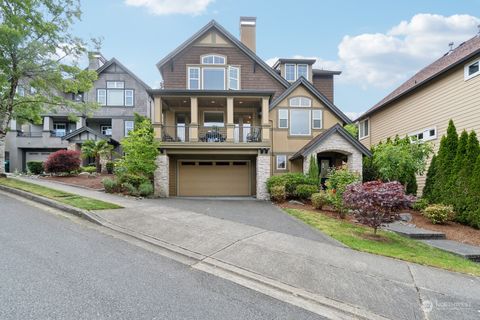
(386, 287)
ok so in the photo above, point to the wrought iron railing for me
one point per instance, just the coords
(246, 134)
(212, 134)
(35, 134)
(179, 133)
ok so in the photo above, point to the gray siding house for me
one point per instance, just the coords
(118, 91)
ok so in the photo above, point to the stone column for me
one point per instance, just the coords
(265, 119)
(306, 163)
(263, 173)
(194, 119)
(230, 124)
(160, 178)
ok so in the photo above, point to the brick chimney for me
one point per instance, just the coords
(248, 32)
(95, 60)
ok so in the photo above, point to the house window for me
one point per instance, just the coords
(213, 78)
(300, 102)
(233, 77)
(193, 78)
(302, 71)
(363, 129)
(128, 126)
(115, 84)
(425, 134)
(282, 118)
(102, 97)
(115, 97)
(60, 129)
(129, 98)
(213, 119)
(290, 72)
(21, 91)
(317, 119)
(213, 59)
(300, 122)
(106, 130)
(472, 69)
(281, 162)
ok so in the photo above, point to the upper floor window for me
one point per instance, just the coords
(300, 102)
(425, 135)
(300, 122)
(233, 78)
(193, 78)
(472, 69)
(363, 128)
(283, 118)
(213, 78)
(116, 95)
(317, 119)
(60, 129)
(294, 71)
(213, 59)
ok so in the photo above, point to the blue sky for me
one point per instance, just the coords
(377, 44)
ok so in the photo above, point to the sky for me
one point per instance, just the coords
(377, 44)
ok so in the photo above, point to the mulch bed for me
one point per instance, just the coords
(452, 230)
(81, 180)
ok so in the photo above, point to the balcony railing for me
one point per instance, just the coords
(182, 133)
(36, 134)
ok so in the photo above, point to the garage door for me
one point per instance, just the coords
(214, 178)
(36, 156)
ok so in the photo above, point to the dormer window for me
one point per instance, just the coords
(294, 71)
(213, 59)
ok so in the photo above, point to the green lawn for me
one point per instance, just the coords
(60, 196)
(390, 244)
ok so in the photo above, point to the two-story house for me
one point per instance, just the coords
(227, 121)
(118, 91)
(449, 88)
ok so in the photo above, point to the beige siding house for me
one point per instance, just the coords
(449, 88)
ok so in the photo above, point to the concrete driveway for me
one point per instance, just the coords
(260, 214)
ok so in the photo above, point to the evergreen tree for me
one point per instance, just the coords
(313, 170)
(430, 181)
(456, 197)
(473, 210)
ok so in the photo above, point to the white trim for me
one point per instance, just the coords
(230, 68)
(277, 158)
(213, 68)
(306, 65)
(188, 78)
(287, 118)
(360, 123)
(319, 118)
(214, 55)
(467, 66)
(309, 123)
(300, 100)
(425, 134)
(117, 84)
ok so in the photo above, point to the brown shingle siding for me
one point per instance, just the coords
(324, 84)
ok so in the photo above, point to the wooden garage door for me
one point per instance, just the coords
(36, 156)
(214, 178)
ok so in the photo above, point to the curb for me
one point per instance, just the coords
(299, 297)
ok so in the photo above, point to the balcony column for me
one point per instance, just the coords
(230, 124)
(80, 122)
(157, 117)
(47, 124)
(265, 119)
(193, 119)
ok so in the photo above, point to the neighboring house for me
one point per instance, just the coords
(118, 91)
(449, 88)
(227, 121)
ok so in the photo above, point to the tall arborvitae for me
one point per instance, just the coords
(455, 197)
(445, 158)
(430, 181)
(473, 211)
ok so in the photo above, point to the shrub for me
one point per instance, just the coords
(376, 202)
(278, 194)
(130, 189)
(474, 219)
(305, 191)
(438, 213)
(134, 179)
(35, 167)
(89, 169)
(63, 161)
(110, 167)
(145, 189)
(319, 200)
(111, 185)
(420, 204)
(337, 182)
(290, 181)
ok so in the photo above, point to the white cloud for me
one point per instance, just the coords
(352, 114)
(387, 59)
(166, 7)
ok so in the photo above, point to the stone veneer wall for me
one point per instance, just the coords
(161, 176)
(263, 173)
(336, 143)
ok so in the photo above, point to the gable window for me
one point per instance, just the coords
(128, 126)
(472, 69)
(213, 78)
(213, 119)
(193, 78)
(116, 95)
(213, 59)
(300, 102)
(425, 134)
(290, 72)
(233, 77)
(302, 71)
(363, 128)
(317, 119)
(115, 84)
(106, 130)
(281, 162)
(283, 118)
(129, 98)
(300, 122)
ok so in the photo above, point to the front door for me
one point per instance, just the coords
(324, 167)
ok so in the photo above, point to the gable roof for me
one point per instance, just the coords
(215, 25)
(316, 93)
(324, 135)
(463, 52)
(115, 61)
(89, 130)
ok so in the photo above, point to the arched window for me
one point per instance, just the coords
(300, 102)
(213, 59)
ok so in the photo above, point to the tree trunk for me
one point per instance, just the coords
(2, 155)
(97, 164)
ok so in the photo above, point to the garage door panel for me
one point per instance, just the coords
(214, 178)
